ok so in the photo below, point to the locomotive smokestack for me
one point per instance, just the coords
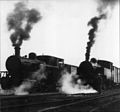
(17, 51)
(87, 57)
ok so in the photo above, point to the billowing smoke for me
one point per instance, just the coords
(94, 23)
(28, 83)
(20, 22)
(70, 84)
(104, 9)
(104, 6)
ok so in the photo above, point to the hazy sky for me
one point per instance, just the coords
(63, 31)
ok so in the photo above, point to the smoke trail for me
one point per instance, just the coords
(103, 5)
(20, 21)
(94, 23)
(104, 9)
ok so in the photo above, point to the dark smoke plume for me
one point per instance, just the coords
(104, 4)
(21, 21)
(103, 11)
(94, 23)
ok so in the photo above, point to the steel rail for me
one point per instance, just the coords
(51, 109)
(65, 100)
(104, 105)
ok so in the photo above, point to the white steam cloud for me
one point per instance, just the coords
(70, 84)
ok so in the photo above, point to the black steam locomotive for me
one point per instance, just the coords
(33, 69)
(100, 74)
(90, 74)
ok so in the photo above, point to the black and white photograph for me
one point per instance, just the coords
(59, 56)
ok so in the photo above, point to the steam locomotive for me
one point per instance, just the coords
(33, 69)
(100, 76)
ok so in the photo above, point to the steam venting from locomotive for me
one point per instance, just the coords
(70, 84)
(28, 83)
(20, 23)
(104, 9)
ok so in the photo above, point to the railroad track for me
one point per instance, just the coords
(35, 101)
(94, 104)
(56, 102)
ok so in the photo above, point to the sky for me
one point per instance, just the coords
(63, 31)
